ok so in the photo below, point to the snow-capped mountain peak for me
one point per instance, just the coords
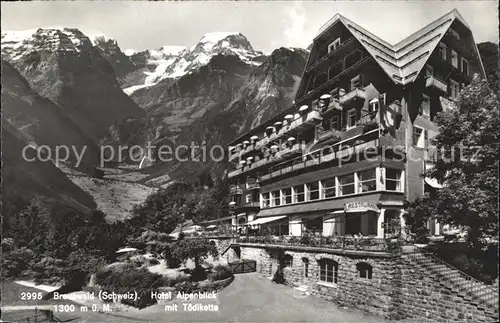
(184, 61)
(16, 44)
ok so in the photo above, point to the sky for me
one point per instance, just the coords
(141, 25)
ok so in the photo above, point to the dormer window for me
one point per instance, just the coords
(334, 45)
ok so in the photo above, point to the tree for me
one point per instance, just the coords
(467, 164)
(195, 249)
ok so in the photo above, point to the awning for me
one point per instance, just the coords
(266, 220)
(433, 182)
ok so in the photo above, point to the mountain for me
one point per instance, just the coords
(217, 103)
(490, 58)
(181, 62)
(66, 67)
(41, 120)
(150, 66)
(26, 179)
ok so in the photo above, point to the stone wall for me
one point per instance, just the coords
(372, 295)
(398, 288)
(420, 293)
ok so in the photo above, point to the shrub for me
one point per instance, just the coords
(279, 277)
(172, 281)
(198, 274)
(186, 287)
(220, 272)
(126, 279)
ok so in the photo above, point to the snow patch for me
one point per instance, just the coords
(45, 288)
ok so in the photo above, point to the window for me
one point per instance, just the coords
(393, 180)
(298, 194)
(334, 45)
(288, 261)
(419, 137)
(454, 33)
(328, 187)
(265, 200)
(356, 82)
(465, 67)
(287, 196)
(313, 191)
(364, 270)
(335, 125)
(454, 89)
(328, 271)
(248, 198)
(276, 198)
(454, 58)
(373, 106)
(353, 223)
(306, 267)
(442, 51)
(346, 184)
(351, 118)
(429, 71)
(382, 98)
(425, 106)
(367, 181)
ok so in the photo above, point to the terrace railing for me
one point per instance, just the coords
(342, 243)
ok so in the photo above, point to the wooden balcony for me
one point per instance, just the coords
(295, 126)
(354, 95)
(235, 190)
(331, 153)
(433, 82)
(323, 62)
(272, 157)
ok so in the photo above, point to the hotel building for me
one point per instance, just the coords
(352, 148)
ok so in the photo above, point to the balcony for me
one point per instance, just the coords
(247, 205)
(436, 83)
(368, 244)
(235, 190)
(332, 133)
(349, 43)
(314, 92)
(325, 155)
(354, 95)
(254, 185)
(286, 151)
(295, 126)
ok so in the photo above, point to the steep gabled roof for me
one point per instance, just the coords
(403, 61)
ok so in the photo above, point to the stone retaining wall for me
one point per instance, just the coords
(398, 289)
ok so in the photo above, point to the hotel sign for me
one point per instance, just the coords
(360, 207)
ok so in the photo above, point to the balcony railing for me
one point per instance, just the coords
(343, 243)
(254, 204)
(432, 81)
(293, 126)
(273, 157)
(353, 95)
(330, 54)
(235, 190)
(332, 152)
(332, 80)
